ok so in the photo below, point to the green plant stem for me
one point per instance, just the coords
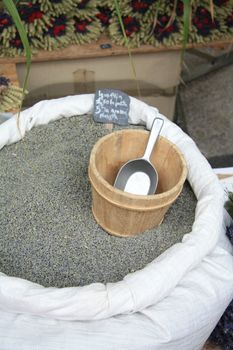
(128, 48)
(11, 8)
(186, 18)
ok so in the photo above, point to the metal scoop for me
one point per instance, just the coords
(139, 176)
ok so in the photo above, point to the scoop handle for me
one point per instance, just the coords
(154, 134)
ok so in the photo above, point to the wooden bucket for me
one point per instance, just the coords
(124, 214)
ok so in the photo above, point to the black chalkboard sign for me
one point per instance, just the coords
(111, 106)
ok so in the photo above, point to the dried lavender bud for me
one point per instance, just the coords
(229, 20)
(5, 21)
(141, 6)
(104, 15)
(220, 2)
(223, 333)
(163, 30)
(203, 22)
(230, 233)
(4, 81)
(229, 204)
(82, 4)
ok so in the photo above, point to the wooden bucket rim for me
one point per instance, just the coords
(134, 207)
(136, 196)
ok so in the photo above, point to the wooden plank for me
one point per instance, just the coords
(94, 50)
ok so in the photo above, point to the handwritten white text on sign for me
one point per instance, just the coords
(111, 106)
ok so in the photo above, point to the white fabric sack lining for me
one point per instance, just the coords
(158, 279)
(183, 320)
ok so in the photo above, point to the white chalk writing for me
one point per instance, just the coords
(111, 106)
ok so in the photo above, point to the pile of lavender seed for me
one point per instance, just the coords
(47, 231)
